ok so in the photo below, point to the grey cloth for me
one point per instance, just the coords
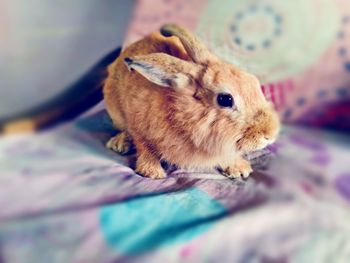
(47, 45)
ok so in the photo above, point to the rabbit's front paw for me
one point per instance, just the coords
(240, 168)
(151, 171)
(121, 143)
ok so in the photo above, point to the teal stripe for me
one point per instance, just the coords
(144, 223)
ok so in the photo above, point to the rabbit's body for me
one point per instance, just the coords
(162, 105)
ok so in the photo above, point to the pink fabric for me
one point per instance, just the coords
(316, 93)
(149, 16)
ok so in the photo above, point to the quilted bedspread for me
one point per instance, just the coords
(64, 197)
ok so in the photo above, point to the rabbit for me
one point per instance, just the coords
(174, 100)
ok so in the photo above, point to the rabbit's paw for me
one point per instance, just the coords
(151, 171)
(240, 168)
(121, 143)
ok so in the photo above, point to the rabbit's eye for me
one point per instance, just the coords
(225, 100)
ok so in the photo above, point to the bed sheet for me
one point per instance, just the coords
(66, 198)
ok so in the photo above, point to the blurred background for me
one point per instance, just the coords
(64, 197)
(47, 46)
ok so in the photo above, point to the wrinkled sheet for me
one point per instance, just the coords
(66, 198)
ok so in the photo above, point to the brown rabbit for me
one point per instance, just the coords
(174, 100)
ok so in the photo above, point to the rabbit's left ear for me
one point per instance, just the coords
(194, 47)
(160, 69)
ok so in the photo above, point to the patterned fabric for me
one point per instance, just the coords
(66, 198)
(299, 49)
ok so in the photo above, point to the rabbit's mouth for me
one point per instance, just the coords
(264, 142)
(249, 143)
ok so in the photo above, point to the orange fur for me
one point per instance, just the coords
(161, 92)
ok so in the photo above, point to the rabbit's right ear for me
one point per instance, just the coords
(162, 69)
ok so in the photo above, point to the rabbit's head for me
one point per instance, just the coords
(218, 105)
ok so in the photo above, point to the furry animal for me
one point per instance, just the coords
(175, 100)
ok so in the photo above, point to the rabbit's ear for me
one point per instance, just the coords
(194, 47)
(161, 69)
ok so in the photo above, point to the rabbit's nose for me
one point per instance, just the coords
(265, 142)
